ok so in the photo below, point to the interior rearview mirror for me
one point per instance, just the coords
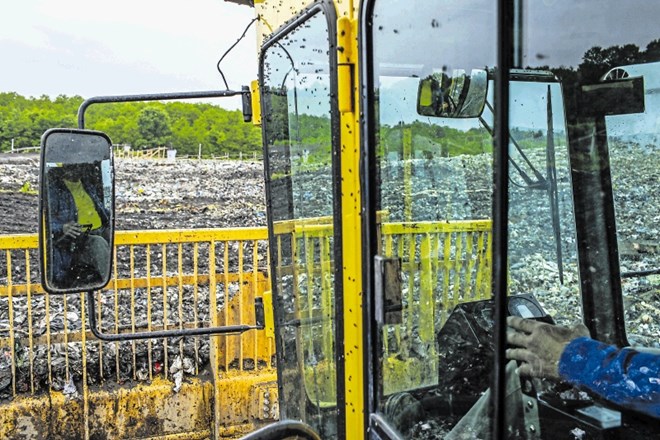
(461, 96)
(76, 196)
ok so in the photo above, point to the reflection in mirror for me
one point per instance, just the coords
(461, 96)
(76, 210)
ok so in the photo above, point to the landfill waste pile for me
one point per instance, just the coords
(149, 194)
(210, 194)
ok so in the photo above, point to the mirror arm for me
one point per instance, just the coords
(154, 97)
(522, 173)
(200, 331)
(541, 182)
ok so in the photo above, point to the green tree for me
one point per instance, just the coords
(154, 126)
(598, 61)
(181, 125)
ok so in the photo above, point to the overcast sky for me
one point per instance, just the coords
(92, 48)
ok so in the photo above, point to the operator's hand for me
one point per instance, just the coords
(542, 345)
(71, 230)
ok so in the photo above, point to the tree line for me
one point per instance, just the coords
(178, 125)
(184, 126)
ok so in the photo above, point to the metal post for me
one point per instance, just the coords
(505, 12)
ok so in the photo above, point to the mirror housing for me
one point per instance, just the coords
(76, 201)
(612, 97)
(461, 96)
(246, 101)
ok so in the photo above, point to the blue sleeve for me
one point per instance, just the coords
(624, 377)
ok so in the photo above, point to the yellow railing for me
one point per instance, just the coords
(452, 259)
(305, 256)
(150, 153)
(162, 280)
(208, 277)
(443, 264)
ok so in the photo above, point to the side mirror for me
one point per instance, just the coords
(76, 196)
(461, 96)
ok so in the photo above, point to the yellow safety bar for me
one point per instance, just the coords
(66, 384)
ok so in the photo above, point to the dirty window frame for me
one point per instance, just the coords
(326, 8)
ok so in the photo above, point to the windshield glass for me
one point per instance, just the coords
(634, 147)
(616, 149)
(434, 201)
(296, 95)
(433, 188)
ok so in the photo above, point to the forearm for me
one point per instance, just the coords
(621, 376)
